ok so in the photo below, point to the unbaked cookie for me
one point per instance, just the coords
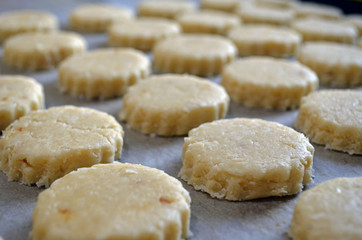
(242, 159)
(268, 82)
(19, 95)
(141, 34)
(220, 5)
(263, 15)
(335, 64)
(15, 22)
(113, 201)
(97, 17)
(198, 54)
(39, 51)
(103, 73)
(208, 21)
(280, 4)
(257, 40)
(333, 118)
(330, 210)
(313, 29)
(164, 8)
(173, 104)
(44, 145)
(310, 9)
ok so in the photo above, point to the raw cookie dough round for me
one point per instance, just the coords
(310, 9)
(141, 34)
(113, 201)
(268, 82)
(279, 4)
(197, 54)
(333, 118)
(15, 22)
(335, 64)
(241, 159)
(103, 73)
(355, 20)
(164, 8)
(39, 51)
(208, 21)
(19, 95)
(44, 145)
(254, 40)
(173, 104)
(331, 210)
(97, 17)
(224, 5)
(325, 30)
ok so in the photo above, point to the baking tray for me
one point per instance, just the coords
(211, 218)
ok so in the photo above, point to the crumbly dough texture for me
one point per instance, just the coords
(333, 118)
(15, 22)
(251, 14)
(113, 201)
(44, 145)
(39, 51)
(97, 17)
(331, 210)
(241, 159)
(224, 5)
(256, 40)
(313, 29)
(268, 82)
(173, 104)
(208, 21)
(103, 73)
(141, 34)
(197, 54)
(309, 9)
(19, 95)
(164, 8)
(335, 64)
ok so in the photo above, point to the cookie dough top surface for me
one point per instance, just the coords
(314, 9)
(266, 13)
(25, 19)
(127, 201)
(106, 62)
(197, 46)
(321, 26)
(96, 12)
(342, 107)
(270, 71)
(244, 146)
(165, 8)
(209, 17)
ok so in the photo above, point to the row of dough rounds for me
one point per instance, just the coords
(274, 160)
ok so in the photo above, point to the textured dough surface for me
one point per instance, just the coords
(256, 40)
(197, 54)
(19, 95)
(224, 5)
(242, 159)
(141, 34)
(45, 145)
(263, 15)
(309, 9)
(335, 64)
(268, 82)
(331, 210)
(113, 201)
(15, 22)
(103, 73)
(36, 51)
(164, 8)
(333, 118)
(97, 17)
(173, 104)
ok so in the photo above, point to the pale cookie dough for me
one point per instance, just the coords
(44, 145)
(241, 159)
(103, 73)
(19, 95)
(97, 17)
(169, 104)
(39, 51)
(335, 64)
(331, 210)
(268, 82)
(164, 8)
(113, 201)
(15, 22)
(220, 5)
(197, 54)
(355, 20)
(279, 4)
(309, 9)
(257, 40)
(333, 118)
(141, 34)
(325, 30)
(208, 21)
